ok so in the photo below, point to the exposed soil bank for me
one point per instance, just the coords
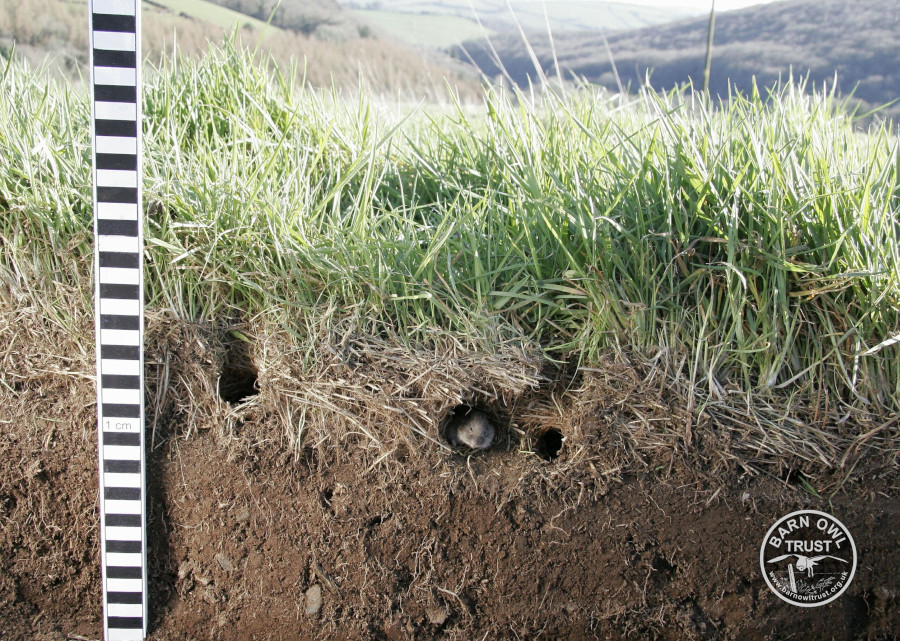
(406, 540)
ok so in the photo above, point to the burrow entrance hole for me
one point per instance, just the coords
(238, 377)
(549, 443)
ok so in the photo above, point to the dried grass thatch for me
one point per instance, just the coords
(346, 386)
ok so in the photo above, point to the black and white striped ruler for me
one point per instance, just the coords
(115, 28)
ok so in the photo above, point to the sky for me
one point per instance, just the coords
(721, 5)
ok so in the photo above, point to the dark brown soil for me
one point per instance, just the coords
(407, 540)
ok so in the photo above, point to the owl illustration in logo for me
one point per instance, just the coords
(806, 562)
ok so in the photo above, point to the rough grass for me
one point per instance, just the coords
(748, 255)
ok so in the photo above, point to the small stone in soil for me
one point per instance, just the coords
(314, 599)
(437, 615)
(211, 595)
(225, 562)
(185, 568)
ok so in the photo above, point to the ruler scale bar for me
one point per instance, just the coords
(125, 622)
(121, 453)
(121, 438)
(119, 292)
(120, 352)
(120, 381)
(106, 110)
(114, 58)
(113, 77)
(114, 40)
(113, 479)
(122, 466)
(116, 178)
(113, 23)
(116, 145)
(123, 547)
(115, 93)
(115, 29)
(123, 337)
(117, 227)
(115, 321)
(120, 306)
(117, 161)
(122, 493)
(115, 127)
(117, 195)
(115, 276)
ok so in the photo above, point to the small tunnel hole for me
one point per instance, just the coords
(238, 378)
(549, 444)
(792, 477)
(458, 412)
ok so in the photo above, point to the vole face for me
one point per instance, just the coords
(474, 431)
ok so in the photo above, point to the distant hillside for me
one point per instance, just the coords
(305, 16)
(859, 40)
(494, 15)
(56, 31)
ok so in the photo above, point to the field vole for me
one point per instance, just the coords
(472, 430)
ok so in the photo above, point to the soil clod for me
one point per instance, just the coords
(314, 599)
(437, 615)
(224, 562)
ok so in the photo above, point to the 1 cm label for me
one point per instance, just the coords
(119, 426)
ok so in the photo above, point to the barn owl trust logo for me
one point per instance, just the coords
(808, 558)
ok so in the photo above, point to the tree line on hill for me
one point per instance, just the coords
(305, 16)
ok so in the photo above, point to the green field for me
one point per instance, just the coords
(420, 29)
